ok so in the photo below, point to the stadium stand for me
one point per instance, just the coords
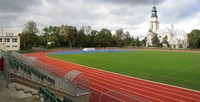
(31, 73)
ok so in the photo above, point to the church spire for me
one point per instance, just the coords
(154, 24)
(154, 11)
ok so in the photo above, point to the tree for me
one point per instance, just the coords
(144, 41)
(127, 39)
(72, 32)
(31, 27)
(155, 41)
(119, 35)
(194, 39)
(104, 38)
(28, 38)
(132, 41)
(54, 39)
(87, 29)
(68, 34)
(138, 42)
(41, 41)
(92, 38)
(47, 32)
(81, 38)
(165, 41)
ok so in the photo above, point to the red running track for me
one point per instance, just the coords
(102, 82)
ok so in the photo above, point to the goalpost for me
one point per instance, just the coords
(111, 49)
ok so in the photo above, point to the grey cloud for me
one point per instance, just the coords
(189, 10)
(129, 2)
(5, 20)
(16, 5)
(178, 11)
(112, 14)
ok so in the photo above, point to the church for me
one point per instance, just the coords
(175, 38)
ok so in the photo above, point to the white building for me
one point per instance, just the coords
(9, 39)
(176, 38)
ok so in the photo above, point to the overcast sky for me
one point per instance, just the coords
(131, 15)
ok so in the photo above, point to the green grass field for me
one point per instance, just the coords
(174, 68)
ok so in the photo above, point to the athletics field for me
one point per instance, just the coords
(173, 68)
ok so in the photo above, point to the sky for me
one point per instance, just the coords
(130, 15)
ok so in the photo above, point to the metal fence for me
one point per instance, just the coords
(38, 64)
(114, 96)
(36, 71)
(74, 87)
(75, 77)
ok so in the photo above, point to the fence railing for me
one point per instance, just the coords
(36, 73)
(114, 96)
(53, 75)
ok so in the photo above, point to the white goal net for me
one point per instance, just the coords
(110, 49)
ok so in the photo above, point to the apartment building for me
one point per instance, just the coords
(10, 39)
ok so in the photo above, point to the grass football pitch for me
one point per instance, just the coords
(174, 68)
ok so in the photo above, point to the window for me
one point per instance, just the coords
(1, 40)
(8, 45)
(7, 40)
(9, 34)
(14, 46)
(14, 40)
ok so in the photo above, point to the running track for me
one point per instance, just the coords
(102, 81)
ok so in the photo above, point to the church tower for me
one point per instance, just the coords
(153, 26)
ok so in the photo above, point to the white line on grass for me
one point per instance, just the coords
(185, 69)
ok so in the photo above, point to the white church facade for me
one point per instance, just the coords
(175, 38)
